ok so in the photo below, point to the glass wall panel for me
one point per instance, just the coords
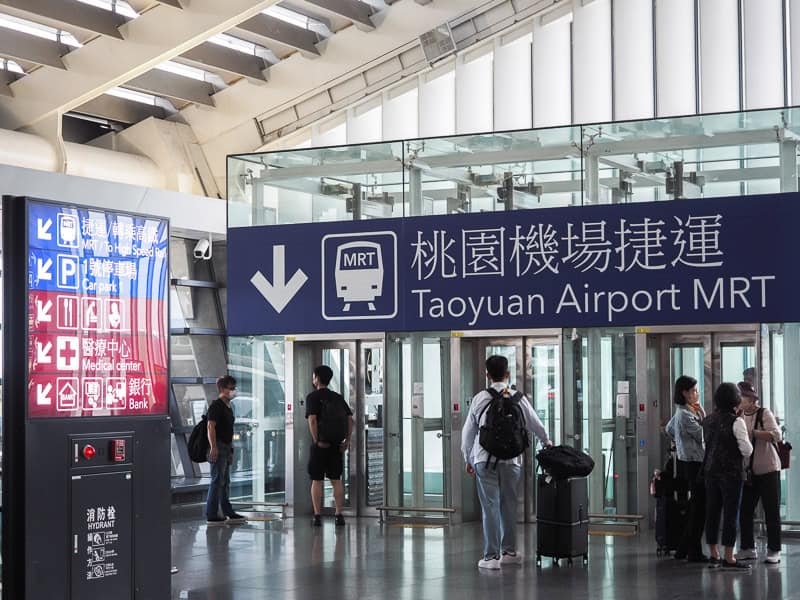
(258, 363)
(401, 113)
(719, 55)
(193, 307)
(183, 264)
(633, 59)
(364, 124)
(475, 97)
(552, 73)
(763, 53)
(513, 96)
(675, 57)
(591, 62)
(437, 106)
(193, 400)
(197, 356)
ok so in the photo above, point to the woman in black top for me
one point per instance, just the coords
(727, 447)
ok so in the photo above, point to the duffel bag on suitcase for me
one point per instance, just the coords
(561, 462)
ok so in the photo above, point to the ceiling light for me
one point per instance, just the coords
(118, 6)
(38, 30)
(132, 96)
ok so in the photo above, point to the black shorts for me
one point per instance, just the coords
(325, 462)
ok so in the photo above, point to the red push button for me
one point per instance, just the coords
(118, 450)
(89, 452)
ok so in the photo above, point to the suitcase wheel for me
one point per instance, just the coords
(555, 562)
(585, 559)
(538, 560)
(659, 552)
(569, 562)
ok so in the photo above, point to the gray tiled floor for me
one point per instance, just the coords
(290, 560)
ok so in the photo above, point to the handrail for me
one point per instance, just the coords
(385, 509)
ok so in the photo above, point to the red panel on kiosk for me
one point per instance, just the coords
(97, 313)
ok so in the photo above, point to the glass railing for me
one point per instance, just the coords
(701, 156)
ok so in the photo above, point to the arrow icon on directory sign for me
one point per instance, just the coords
(43, 229)
(43, 394)
(43, 311)
(43, 269)
(43, 352)
(279, 292)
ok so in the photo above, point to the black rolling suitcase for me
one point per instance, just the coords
(562, 519)
(672, 507)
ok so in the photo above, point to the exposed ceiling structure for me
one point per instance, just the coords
(75, 70)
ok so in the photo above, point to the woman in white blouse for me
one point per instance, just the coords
(765, 479)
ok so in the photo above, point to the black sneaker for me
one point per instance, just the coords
(339, 520)
(236, 518)
(213, 521)
(316, 521)
(735, 566)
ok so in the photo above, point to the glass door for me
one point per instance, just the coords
(341, 357)
(417, 450)
(371, 429)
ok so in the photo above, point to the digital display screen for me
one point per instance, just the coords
(97, 312)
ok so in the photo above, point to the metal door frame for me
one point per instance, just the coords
(653, 381)
(524, 339)
(296, 426)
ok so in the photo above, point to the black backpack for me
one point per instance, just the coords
(198, 441)
(503, 434)
(333, 419)
(562, 462)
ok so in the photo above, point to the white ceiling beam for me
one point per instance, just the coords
(120, 109)
(71, 12)
(158, 35)
(359, 13)
(18, 45)
(228, 60)
(284, 33)
(6, 77)
(176, 87)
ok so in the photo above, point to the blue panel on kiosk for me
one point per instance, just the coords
(722, 260)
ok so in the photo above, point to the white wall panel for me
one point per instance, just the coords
(364, 124)
(794, 48)
(513, 101)
(475, 94)
(401, 114)
(719, 55)
(591, 61)
(552, 74)
(437, 104)
(763, 53)
(331, 133)
(675, 57)
(633, 59)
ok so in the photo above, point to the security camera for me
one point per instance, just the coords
(202, 250)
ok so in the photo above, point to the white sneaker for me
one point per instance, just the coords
(750, 554)
(773, 558)
(511, 559)
(489, 563)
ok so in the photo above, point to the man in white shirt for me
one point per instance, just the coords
(498, 480)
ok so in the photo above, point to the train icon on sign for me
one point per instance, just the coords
(359, 276)
(359, 273)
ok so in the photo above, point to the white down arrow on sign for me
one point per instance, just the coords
(280, 292)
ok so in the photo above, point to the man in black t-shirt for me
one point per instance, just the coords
(220, 454)
(329, 416)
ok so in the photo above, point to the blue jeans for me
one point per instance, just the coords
(723, 497)
(497, 492)
(219, 488)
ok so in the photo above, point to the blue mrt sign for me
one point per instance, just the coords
(724, 260)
